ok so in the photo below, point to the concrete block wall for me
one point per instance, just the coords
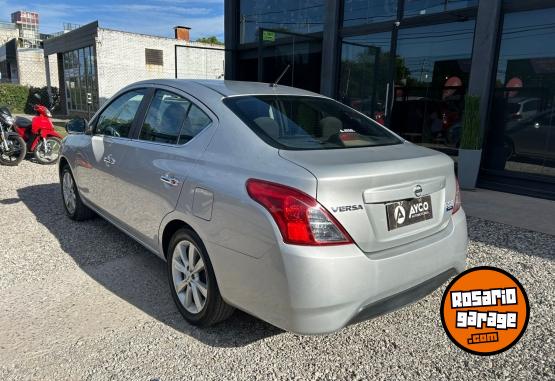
(200, 63)
(32, 70)
(7, 34)
(121, 60)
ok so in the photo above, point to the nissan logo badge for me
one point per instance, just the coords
(418, 191)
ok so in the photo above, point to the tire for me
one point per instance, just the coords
(206, 308)
(73, 205)
(54, 145)
(16, 153)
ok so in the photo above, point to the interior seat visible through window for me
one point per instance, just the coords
(172, 119)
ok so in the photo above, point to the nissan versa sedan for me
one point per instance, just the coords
(277, 201)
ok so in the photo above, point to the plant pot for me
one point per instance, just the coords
(468, 167)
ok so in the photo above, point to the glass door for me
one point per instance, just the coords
(302, 53)
(521, 136)
(364, 81)
(431, 77)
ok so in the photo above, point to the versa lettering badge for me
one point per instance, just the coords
(485, 310)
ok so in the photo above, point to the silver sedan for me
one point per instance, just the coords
(280, 202)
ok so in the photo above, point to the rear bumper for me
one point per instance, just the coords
(317, 290)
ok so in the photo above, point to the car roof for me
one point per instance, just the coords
(231, 88)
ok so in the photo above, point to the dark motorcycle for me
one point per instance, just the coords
(12, 146)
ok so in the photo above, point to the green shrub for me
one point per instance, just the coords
(471, 129)
(20, 99)
(14, 97)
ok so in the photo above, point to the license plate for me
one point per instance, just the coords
(408, 212)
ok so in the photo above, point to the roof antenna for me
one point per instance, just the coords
(280, 77)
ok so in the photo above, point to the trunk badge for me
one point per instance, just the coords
(418, 191)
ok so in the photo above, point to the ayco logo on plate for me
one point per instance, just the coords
(400, 214)
(419, 209)
(485, 311)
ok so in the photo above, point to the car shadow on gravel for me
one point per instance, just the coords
(130, 271)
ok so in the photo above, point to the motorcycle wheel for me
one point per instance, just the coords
(17, 149)
(49, 153)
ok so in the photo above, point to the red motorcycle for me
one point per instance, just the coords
(40, 136)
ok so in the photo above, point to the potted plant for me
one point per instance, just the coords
(470, 150)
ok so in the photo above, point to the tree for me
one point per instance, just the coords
(210, 40)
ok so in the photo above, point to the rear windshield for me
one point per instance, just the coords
(308, 123)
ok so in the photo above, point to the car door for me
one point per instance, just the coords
(165, 147)
(99, 179)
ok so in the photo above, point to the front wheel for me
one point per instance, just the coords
(48, 150)
(74, 207)
(192, 281)
(12, 150)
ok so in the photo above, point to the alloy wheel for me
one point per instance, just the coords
(68, 191)
(189, 276)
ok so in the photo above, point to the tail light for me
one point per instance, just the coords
(300, 218)
(457, 205)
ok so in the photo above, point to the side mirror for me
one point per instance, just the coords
(77, 126)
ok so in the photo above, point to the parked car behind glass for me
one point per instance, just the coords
(274, 200)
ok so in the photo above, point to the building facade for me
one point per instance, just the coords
(21, 54)
(409, 63)
(100, 61)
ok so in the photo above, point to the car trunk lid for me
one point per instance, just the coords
(357, 184)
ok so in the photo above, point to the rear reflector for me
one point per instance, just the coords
(300, 218)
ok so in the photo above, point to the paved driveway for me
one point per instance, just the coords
(83, 301)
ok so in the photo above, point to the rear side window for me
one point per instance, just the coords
(308, 123)
(117, 118)
(165, 117)
(195, 122)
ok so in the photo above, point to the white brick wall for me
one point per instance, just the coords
(32, 71)
(121, 60)
(7, 34)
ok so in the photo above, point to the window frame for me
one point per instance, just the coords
(94, 121)
(136, 131)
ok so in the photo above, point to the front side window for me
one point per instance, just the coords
(308, 123)
(117, 119)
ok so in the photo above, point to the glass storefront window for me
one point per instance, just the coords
(80, 79)
(521, 137)
(300, 16)
(431, 77)
(359, 12)
(425, 7)
(365, 69)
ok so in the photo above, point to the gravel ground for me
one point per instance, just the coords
(83, 301)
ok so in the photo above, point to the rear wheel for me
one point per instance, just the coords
(12, 150)
(192, 281)
(48, 150)
(74, 207)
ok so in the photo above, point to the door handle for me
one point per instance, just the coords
(109, 160)
(170, 180)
